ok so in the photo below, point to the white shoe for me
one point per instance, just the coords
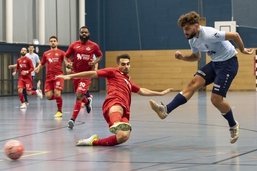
(23, 106)
(71, 124)
(39, 93)
(120, 126)
(88, 141)
(160, 109)
(234, 132)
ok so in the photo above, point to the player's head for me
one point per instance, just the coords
(123, 62)
(189, 22)
(23, 51)
(31, 48)
(53, 42)
(84, 34)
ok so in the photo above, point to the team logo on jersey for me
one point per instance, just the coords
(88, 48)
(50, 60)
(216, 35)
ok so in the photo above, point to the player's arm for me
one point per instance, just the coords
(38, 68)
(67, 62)
(13, 66)
(87, 74)
(236, 38)
(193, 57)
(148, 92)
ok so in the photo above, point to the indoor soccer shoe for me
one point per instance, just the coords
(39, 93)
(71, 124)
(88, 141)
(234, 132)
(89, 105)
(120, 126)
(58, 114)
(23, 106)
(160, 109)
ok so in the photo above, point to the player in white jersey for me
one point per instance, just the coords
(221, 70)
(35, 60)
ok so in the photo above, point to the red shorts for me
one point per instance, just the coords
(52, 84)
(25, 83)
(108, 104)
(81, 85)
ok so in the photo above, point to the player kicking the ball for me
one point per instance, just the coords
(221, 70)
(116, 107)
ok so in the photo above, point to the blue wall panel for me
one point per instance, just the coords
(151, 24)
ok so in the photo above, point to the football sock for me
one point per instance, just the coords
(59, 103)
(24, 91)
(229, 117)
(178, 100)
(115, 117)
(76, 109)
(109, 141)
(21, 97)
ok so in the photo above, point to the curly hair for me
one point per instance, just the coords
(189, 18)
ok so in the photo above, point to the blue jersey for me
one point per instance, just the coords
(212, 41)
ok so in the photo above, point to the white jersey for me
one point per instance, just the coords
(35, 59)
(213, 42)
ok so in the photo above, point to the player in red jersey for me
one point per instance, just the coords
(116, 107)
(24, 67)
(53, 59)
(82, 53)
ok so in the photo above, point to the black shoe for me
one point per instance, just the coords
(89, 105)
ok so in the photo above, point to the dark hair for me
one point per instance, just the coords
(53, 37)
(82, 27)
(189, 18)
(123, 56)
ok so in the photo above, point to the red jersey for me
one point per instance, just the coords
(82, 53)
(24, 64)
(119, 86)
(54, 60)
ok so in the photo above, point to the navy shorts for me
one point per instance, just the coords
(219, 73)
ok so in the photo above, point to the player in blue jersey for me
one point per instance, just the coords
(221, 70)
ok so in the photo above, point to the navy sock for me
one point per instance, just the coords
(229, 117)
(178, 100)
(24, 92)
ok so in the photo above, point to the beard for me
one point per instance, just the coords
(84, 38)
(191, 36)
(22, 54)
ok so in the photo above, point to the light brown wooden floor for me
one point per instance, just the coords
(194, 137)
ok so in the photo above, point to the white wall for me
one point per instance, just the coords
(60, 20)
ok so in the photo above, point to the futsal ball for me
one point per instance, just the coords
(13, 149)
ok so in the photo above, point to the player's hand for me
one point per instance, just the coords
(248, 51)
(69, 65)
(178, 55)
(65, 77)
(13, 73)
(36, 70)
(167, 91)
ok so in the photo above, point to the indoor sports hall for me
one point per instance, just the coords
(194, 136)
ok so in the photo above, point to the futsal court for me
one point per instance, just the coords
(194, 137)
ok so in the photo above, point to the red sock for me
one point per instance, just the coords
(76, 109)
(21, 97)
(59, 103)
(52, 98)
(109, 141)
(115, 117)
